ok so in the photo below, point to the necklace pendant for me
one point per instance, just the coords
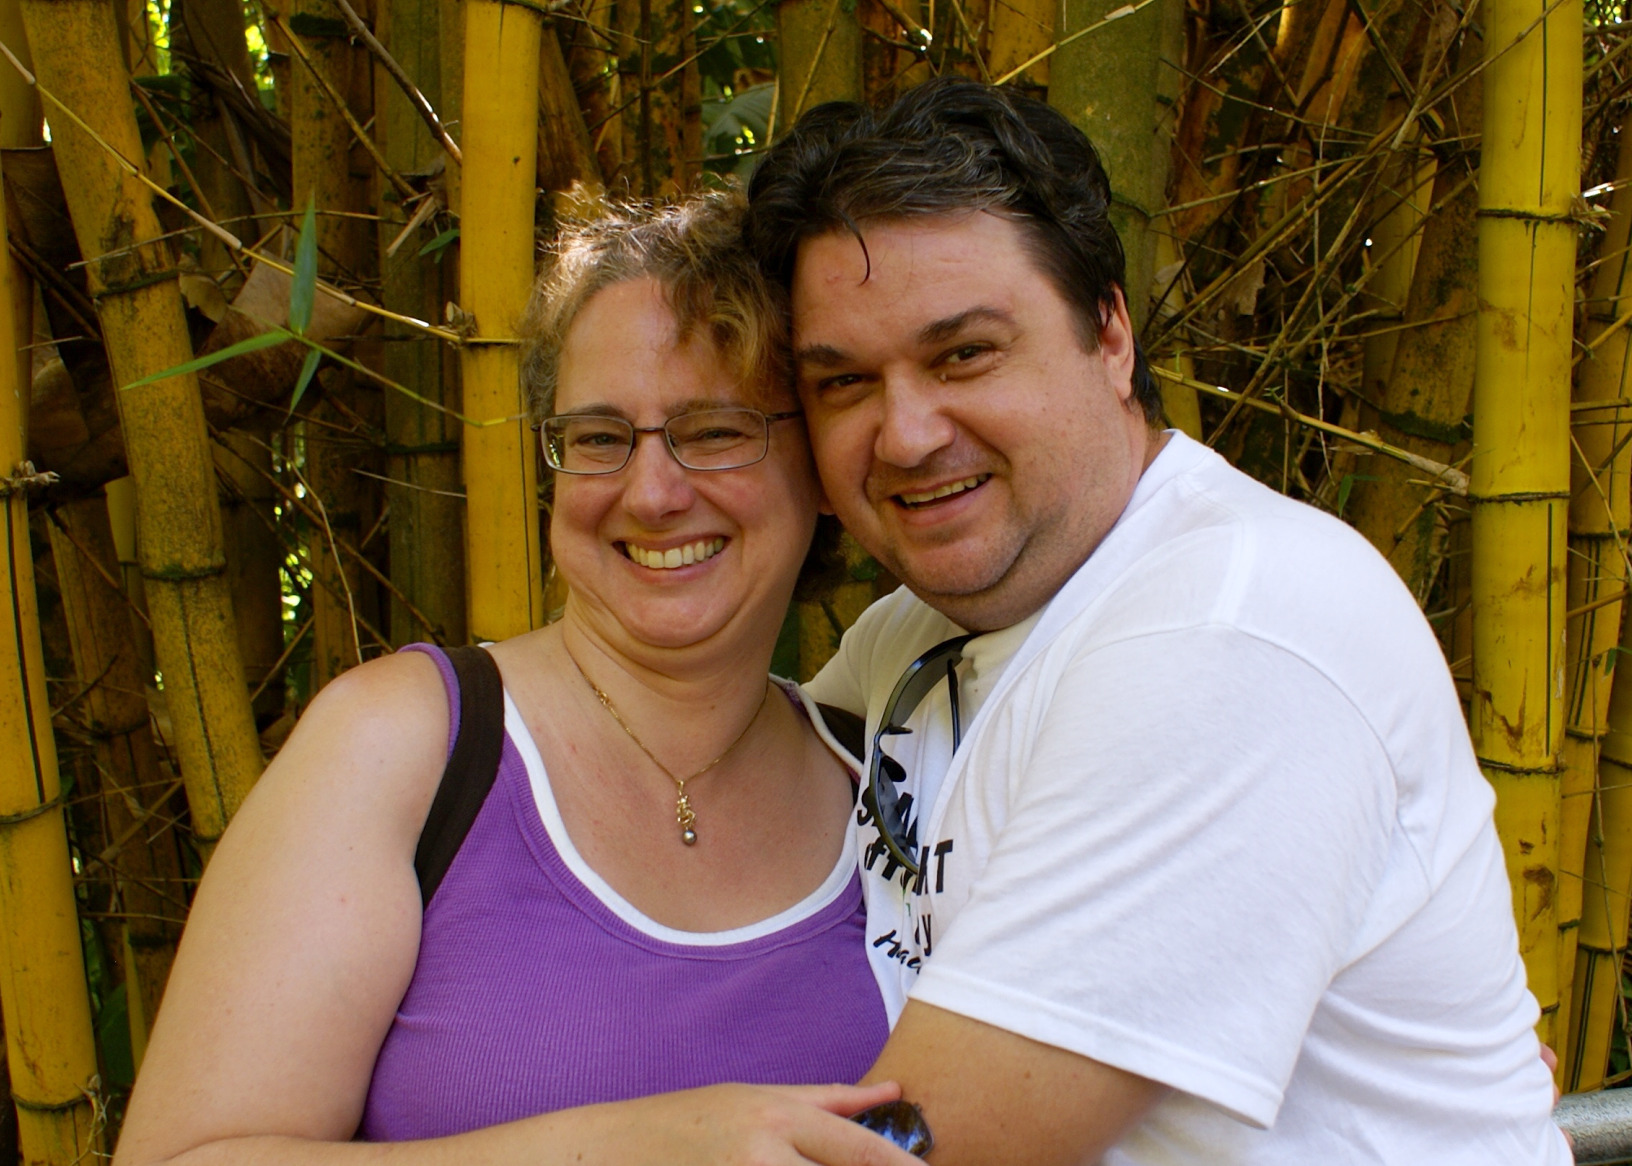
(685, 818)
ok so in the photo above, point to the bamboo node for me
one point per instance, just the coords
(1521, 496)
(84, 1098)
(179, 574)
(461, 321)
(1551, 770)
(28, 815)
(125, 287)
(26, 478)
(1574, 217)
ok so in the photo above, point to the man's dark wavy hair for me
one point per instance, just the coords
(946, 146)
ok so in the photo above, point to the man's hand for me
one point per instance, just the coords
(991, 1096)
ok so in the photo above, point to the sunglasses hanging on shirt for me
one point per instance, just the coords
(921, 678)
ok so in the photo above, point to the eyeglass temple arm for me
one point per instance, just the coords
(952, 691)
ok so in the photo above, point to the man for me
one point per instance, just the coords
(1212, 875)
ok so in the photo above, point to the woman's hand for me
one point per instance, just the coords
(746, 1125)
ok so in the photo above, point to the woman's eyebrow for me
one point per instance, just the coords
(942, 330)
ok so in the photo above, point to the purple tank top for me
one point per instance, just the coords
(533, 992)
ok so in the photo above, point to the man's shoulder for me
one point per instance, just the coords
(1209, 544)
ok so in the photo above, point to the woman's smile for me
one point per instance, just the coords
(670, 558)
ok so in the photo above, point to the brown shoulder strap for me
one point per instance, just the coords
(472, 766)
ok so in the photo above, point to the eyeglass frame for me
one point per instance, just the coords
(919, 680)
(668, 439)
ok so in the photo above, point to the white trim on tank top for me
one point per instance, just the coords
(550, 814)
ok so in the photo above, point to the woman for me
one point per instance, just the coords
(657, 894)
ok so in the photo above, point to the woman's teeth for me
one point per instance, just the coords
(675, 556)
(943, 491)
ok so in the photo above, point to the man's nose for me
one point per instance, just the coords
(914, 425)
(655, 485)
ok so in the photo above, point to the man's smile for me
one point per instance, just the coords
(914, 500)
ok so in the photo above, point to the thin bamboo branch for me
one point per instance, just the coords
(404, 82)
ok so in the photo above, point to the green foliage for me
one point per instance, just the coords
(735, 129)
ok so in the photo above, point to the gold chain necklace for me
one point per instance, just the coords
(684, 816)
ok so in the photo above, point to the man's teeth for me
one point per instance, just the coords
(944, 491)
(675, 556)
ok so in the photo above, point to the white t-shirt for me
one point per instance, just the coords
(1217, 822)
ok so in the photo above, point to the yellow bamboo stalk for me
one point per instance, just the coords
(114, 712)
(503, 568)
(1596, 1006)
(1596, 864)
(133, 281)
(51, 1052)
(1529, 179)
(20, 125)
(821, 56)
(1019, 30)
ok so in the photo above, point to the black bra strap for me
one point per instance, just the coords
(472, 766)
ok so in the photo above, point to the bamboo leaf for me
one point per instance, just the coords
(250, 344)
(440, 242)
(304, 287)
(313, 357)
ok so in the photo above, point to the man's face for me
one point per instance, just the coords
(962, 432)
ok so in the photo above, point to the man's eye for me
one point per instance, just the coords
(967, 353)
(842, 381)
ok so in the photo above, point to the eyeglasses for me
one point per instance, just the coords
(710, 439)
(918, 681)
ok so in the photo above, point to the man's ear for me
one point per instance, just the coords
(823, 506)
(1116, 346)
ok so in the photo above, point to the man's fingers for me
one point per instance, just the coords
(843, 1100)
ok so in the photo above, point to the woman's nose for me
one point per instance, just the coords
(655, 484)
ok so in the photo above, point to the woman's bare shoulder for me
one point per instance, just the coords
(375, 736)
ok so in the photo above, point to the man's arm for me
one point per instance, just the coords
(991, 1096)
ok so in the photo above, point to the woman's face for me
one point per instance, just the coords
(622, 357)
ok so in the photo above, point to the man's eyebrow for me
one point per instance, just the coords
(820, 355)
(940, 331)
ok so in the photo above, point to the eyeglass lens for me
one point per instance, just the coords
(713, 439)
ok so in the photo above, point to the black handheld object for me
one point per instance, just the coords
(901, 1123)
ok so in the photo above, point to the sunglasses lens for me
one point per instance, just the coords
(892, 808)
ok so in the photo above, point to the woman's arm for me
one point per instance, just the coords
(303, 936)
(301, 943)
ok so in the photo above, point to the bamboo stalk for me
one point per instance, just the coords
(1529, 180)
(1425, 396)
(76, 52)
(821, 56)
(503, 563)
(426, 531)
(115, 714)
(1020, 29)
(1109, 85)
(51, 1053)
(1596, 844)
(337, 78)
